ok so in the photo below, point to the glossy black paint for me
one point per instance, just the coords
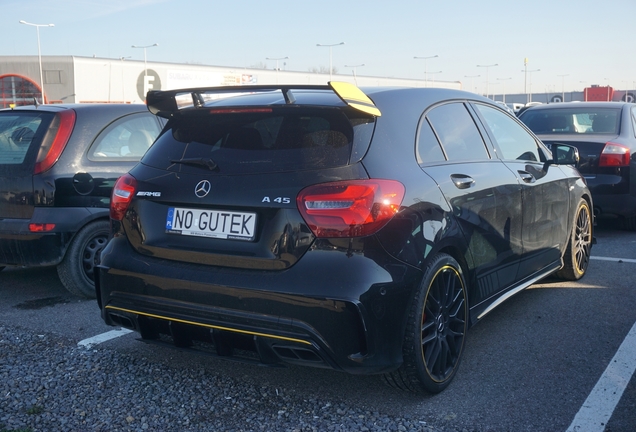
(343, 300)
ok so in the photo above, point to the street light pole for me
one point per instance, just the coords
(488, 67)
(355, 78)
(425, 69)
(529, 82)
(472, 82)
(277, 69)
(145, 61)
(330, 56)
(503, 87)
(563, 86)
(37, 27)
(123, 97)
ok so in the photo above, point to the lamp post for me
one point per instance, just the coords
(563, 86)
(434, 73)
(503, 87)
(355, 78)
(487, 68)
(425, 70)
(472, 81)
(145, 61)
(37, 27)
(123, 97)
(529, 82)
(277, 68)
(330, 56)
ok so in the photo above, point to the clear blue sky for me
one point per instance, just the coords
(588, 41)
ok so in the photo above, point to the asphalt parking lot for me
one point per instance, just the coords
(557, 357)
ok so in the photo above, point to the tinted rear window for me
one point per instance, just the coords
(572, 120)
(19, 132)
(260, 140)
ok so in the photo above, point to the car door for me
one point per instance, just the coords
(484, 194)
(544, 190)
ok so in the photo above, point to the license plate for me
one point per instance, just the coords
(220, 224)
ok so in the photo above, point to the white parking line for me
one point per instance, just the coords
(599, 405)
(613, 259)
(95, 340)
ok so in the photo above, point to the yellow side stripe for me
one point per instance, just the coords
(210, 325)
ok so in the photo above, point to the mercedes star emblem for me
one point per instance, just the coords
(202, 188)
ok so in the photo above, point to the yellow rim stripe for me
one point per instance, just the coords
(354, 97)
(209, 325)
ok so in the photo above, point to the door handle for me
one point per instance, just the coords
(462, 181)
(527, 177)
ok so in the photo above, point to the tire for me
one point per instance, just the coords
(577, 254)
(435, 331)
(77, 270)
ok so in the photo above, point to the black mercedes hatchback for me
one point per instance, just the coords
(58, 165)
(330, 227)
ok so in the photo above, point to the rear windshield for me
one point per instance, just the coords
(18, 130)
(575, 120)
(260, 140)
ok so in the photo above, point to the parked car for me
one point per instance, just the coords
(605, 135)
(328, 227)
(58, 164)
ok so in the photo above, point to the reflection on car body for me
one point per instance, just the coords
(402, 230)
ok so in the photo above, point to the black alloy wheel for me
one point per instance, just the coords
(436, 330)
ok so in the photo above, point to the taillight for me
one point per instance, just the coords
(350, 208)
(123, 193)
(614, 155)
(55, 140)
(41, 227)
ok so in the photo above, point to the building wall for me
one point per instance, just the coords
(73, 79)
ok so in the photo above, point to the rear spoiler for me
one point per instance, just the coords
(166, 103)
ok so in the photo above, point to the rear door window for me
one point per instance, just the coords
(260, 140)
(457, 132)
(126, 139)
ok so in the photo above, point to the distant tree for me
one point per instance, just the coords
(259, 65)
(322, 70)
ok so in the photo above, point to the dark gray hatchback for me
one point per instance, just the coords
(58, 164)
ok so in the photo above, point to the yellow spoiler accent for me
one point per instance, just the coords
(354, 97)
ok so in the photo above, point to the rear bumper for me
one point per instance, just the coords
(613, 195)
(21, 247)
(351, 319)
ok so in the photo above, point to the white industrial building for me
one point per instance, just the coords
(71, 79)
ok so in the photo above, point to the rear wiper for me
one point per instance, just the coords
(205, 162)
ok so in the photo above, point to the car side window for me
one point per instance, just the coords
(428, 149)
(457, 132)
(633, 116)
(513, 141)
(127, 138)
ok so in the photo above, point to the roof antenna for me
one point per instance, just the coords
(35, 102)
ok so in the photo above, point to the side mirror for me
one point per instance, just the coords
(564, 154)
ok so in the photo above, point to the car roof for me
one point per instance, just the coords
(80, 107)
(337, 94)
